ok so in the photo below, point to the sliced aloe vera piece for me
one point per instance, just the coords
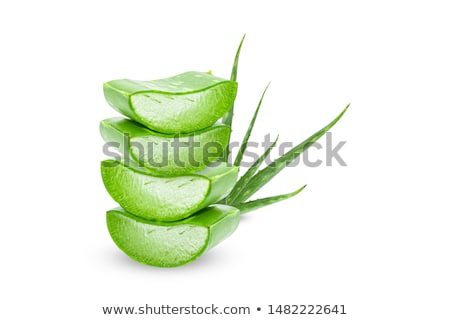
(166, 198)
(171, 244)
(166, 154)
(187, 102)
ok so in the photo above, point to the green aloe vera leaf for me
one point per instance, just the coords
(187, 102)
(265, 175)
(171, 244)
(228, 118)
(241, 151)
(242, 182)
(259, 203)
(166, 154)
(166, 198)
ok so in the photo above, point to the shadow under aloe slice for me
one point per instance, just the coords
(166, 198)
(171, 244)
(165, 154)
(187, 102)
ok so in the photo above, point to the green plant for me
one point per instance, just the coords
(254, 179)
(164, 226)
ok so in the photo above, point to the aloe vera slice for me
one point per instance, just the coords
(166, 154)
(187, 102)
(166, 198)
(171, 244)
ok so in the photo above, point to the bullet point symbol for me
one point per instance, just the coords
(259, 309)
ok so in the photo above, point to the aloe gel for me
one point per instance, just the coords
(166, 154)
(187, 102)
(171, 244)
(166, 198)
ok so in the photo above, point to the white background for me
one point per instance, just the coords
(373, 235)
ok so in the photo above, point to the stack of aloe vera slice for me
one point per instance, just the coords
(170, 171)
(178, 194)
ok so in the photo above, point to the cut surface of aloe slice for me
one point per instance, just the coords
(166, 198)
(166, 154)
(171, 244)
(187, 102)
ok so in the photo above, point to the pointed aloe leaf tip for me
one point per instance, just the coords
(228, 117)
(243, 147)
